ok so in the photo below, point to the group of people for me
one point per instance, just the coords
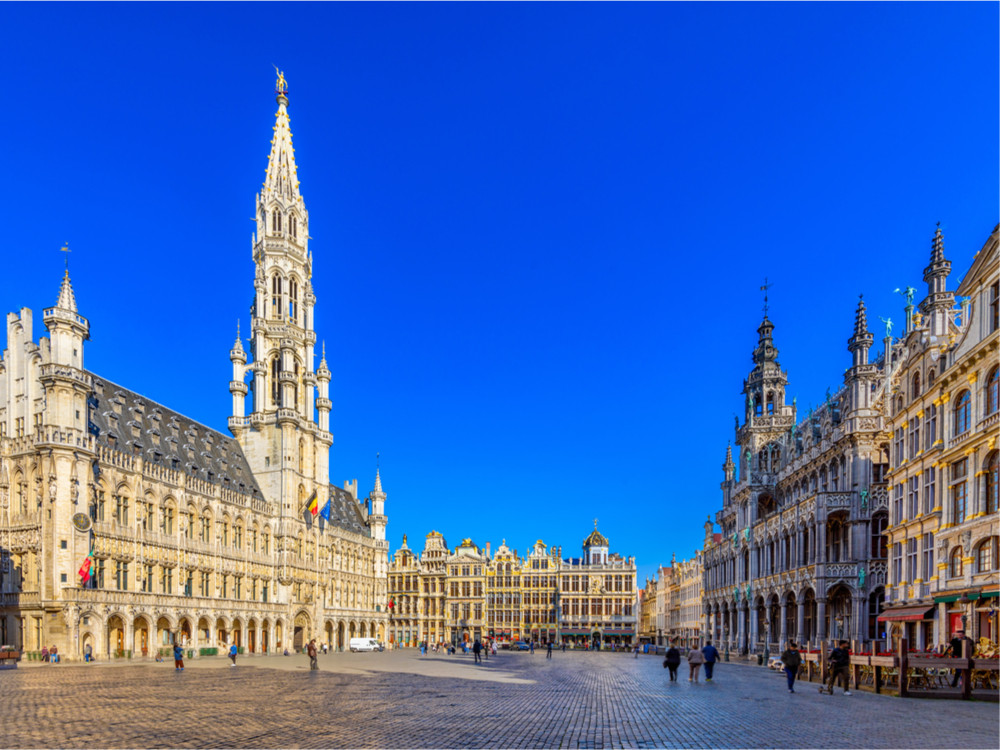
(707, 655)
(50, 655)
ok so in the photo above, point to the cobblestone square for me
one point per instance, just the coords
(515, 700)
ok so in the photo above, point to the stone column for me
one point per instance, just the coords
(799, 557)
(821, 619)
(741, 628)
(754, 634)
(859, 618)
(801, 620)
(783, 625)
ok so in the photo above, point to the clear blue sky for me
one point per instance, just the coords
(539, 230)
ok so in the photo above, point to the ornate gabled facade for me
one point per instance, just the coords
(943, 415)
(598, 597)
(191, 535)
(799, 556)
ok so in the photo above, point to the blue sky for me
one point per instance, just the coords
(539, 229)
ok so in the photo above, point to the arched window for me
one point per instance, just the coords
(986, 555)
(770, 402)
(930, 378)
(293, 300)
(992, 464)
(295, 396)
(276, 297)
(758, 407)
(993, 391)
(276, 220)
(834, 475)
(879, 543)
(962, 406)
(955, 568)
(915, 390)
(275, 385)
(294, 227)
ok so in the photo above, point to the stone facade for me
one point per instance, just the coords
(470, 593)
(944, 413)
(796, 559)
(195, 535)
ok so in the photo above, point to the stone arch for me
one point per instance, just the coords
(302, 630)
(353, 629)
(279, 634)
(165, 628)
(142, 630)
(236, 635)
(328, 632)
(221, 631)
(839, 611)
(115, 630)
(265, 636)
(205, 630)
(253, 636)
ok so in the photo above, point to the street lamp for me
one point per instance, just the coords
(964, 601)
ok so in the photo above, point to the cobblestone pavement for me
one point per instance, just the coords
(400, 700)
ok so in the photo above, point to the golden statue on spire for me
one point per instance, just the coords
(281, 87)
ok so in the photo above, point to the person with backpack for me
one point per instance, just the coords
(840, 667)
(672, 662)
(792, 660)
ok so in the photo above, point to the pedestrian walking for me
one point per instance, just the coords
(311, 650)
(486, 649)
(232, 654)
(548, 651)
(840, 668)
(493, 647)
(477, 648)
(672, 661)
(711, 654)
(695, 660)
(637, 651)
(955, 649)
(564, 647)
(178, 658)
(791, 659)
(531, 646)
(88, 653)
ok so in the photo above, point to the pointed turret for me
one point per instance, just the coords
(861, 341)
(323, 404)
(281, 179)
(729, 467)
(67, 300)
(237, 386)
(67, 328)
(765, 387)
(939, 301)
(376, 515)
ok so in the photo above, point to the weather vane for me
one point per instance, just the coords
(764, 289)
(65, 249)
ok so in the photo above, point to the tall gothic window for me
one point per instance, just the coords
(955, 567)
(276, 221)
(294, 227)
(293, 300)
(275, 384)
(994, 313)
(276, 297)
(916, 385)
(962, 407)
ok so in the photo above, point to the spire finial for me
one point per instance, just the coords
(378, 477)
(281, 87)
(764, 289)
(937, 245)
(65, 249)
(595, 524)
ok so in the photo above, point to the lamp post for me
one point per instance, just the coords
(964, 600)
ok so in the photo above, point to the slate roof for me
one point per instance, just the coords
(345, 512)
(139, 426)
(129, 422)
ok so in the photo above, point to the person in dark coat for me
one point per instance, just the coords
(548, 651)
(672, 662)
(477, 649)
(792, 660)
(711, 656)
(955, 649)
(840, 668)
(313, 653)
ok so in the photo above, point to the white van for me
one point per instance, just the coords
(365, 644)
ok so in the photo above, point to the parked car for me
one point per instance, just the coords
(520, 646)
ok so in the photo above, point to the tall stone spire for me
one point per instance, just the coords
(281, 179)
(729, 467)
